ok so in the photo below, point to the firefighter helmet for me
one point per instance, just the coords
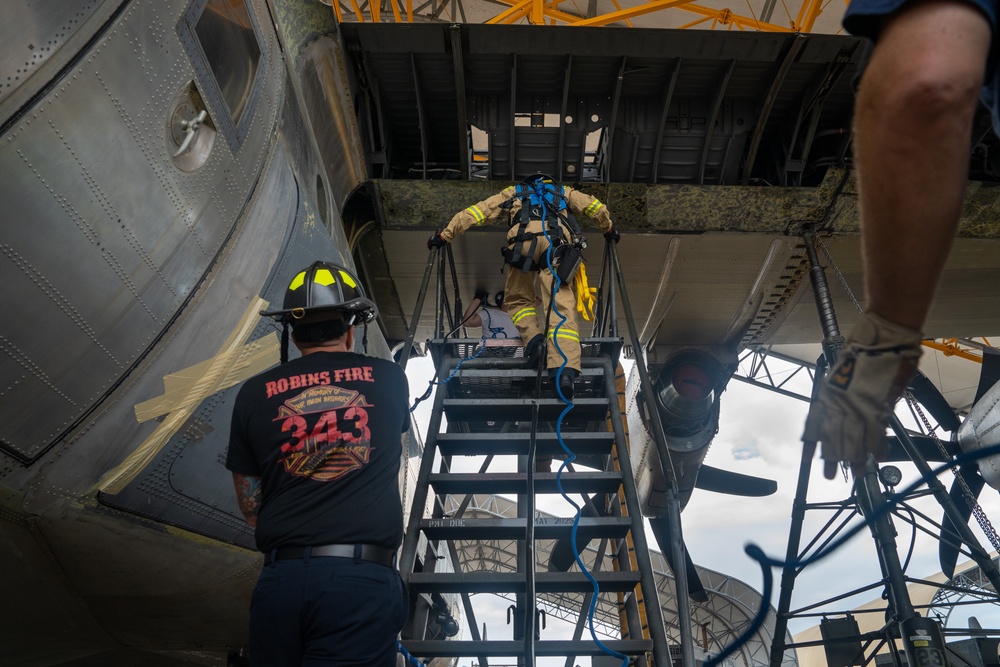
(325, 287)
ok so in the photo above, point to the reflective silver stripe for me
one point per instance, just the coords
(594, 207)
(521, 314)
(566, 333)
(477, 214)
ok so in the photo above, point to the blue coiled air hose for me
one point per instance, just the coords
(570, 456)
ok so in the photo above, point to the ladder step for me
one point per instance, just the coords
(497, 383)
(458, 649)
(546, 528)
(519, 409)
(513, 582)
(516, 482)
(463, 348)
(519, 373)
(473, 444)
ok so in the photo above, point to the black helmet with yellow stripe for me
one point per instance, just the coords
(323, 287)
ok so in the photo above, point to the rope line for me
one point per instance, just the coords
(406, 654)
(454, 372)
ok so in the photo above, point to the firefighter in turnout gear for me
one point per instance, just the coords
(539, 213)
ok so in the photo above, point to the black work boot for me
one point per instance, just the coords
(533, 350)
(566, 380)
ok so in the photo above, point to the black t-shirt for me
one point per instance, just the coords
(323, 434)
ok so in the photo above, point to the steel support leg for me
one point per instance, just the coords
(869, 493)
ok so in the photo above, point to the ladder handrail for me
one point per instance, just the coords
(684, 618)
(415, 320)
(654, 612)
(440, 307)
(606, 314)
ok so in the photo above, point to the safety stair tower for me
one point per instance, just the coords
(921, 636)
(499, 406)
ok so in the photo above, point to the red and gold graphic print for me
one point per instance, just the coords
(328, 433)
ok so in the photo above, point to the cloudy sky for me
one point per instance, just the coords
(759, 435)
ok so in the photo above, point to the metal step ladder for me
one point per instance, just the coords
(496, 406)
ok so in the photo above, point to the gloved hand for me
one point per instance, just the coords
(435, 241)
(613, 235)
(482, 295)
(850, 414)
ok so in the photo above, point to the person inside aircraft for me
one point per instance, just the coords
(315, 451)
(913, 128)
(498, 329)
(524, 207)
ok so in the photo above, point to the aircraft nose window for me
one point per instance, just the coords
(227, 37)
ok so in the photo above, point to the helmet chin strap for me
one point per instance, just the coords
(284, 342)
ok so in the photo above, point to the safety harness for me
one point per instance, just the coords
(541, 199)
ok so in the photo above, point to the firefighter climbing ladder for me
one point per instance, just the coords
(499, 406)
(492, 410)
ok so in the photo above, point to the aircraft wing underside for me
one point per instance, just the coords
(136, 255)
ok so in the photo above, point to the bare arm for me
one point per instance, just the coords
(248, 495)
(471, 317)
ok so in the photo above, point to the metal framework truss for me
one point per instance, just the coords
(965, 348)
(729, 610)
(968, 587)
(801, 16)
(762, 367)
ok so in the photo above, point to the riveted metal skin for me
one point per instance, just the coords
(127, 261)
(127, 270)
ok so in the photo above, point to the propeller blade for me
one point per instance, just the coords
(950, 542)
(561, 556)
(925, 445)
(661, 531)
(930, 397)
(734, 483)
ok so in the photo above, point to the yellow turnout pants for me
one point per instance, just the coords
(519, 295)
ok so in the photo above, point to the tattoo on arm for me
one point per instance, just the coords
(248, 495)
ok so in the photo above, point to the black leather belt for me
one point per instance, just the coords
(368, 552)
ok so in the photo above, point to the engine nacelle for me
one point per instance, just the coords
(686, 392)
(981, 429)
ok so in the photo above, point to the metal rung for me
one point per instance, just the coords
(519, 409)
(464, 348)
(495, 403)
(514, 529)
(513, 582)
(458, 649)
(516, 373)
(517, 482)
(473, 444)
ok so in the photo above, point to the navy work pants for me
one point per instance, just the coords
(326, 611)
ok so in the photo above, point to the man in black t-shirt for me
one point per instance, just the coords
(315, 450)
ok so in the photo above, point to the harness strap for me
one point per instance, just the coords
(553, 214)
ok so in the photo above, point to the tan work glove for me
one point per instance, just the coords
(850, 414)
